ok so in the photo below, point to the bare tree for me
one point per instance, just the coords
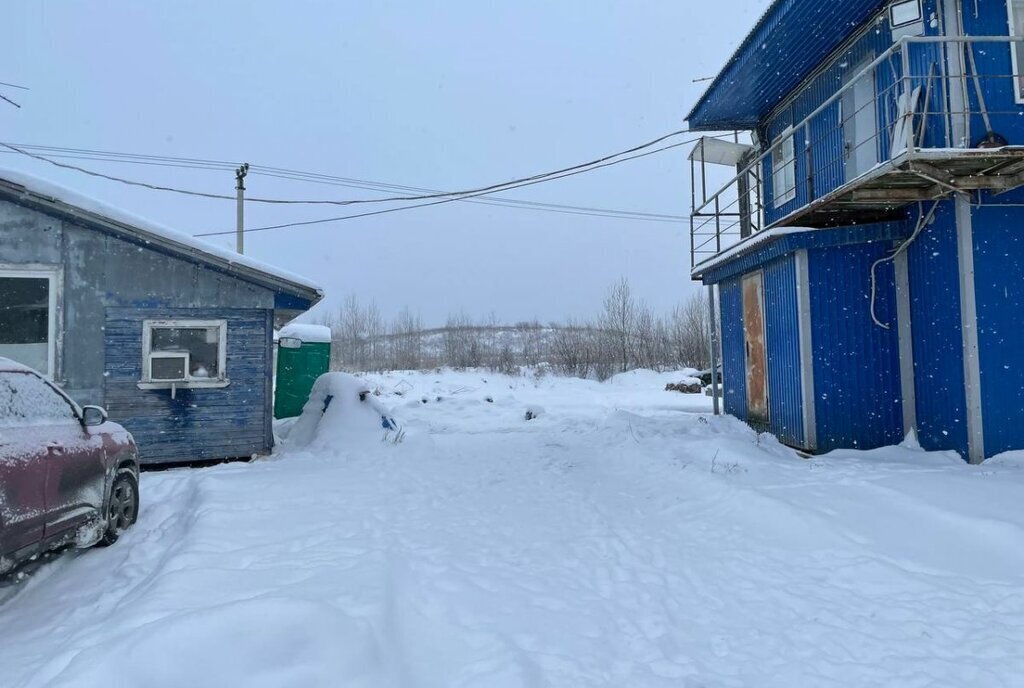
(690, 333)
(573, 349)
(618, 320)
(406, 342)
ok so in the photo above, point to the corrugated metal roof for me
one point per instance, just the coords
(788, 43)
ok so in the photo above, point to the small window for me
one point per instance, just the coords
(189, 353)
(784, 169)
(28, 301)
(1016, 10)
(903, 13)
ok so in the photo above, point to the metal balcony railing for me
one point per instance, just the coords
(928, 117)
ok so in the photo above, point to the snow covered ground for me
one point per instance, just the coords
(625, 537)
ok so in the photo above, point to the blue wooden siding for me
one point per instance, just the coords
(197, 424)
(938, 347)
(782, 334)
(734, 366)
(856, 363)
(999, 281)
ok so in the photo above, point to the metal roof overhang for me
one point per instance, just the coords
(789, 42)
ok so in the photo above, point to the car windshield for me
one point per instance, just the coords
(26, 399)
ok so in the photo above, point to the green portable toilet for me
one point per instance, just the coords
(303, 355)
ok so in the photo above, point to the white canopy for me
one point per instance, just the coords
(719, 152)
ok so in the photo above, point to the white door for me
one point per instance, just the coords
(860, 123)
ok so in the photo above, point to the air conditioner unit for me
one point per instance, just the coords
(169, 366)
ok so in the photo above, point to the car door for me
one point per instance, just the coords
(23, 466)
(75, 466)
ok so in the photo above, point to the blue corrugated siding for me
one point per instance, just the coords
(734, 366)
(785, 244)
(820, 156)
(198, 424)
(782, 333)
(938, 347)
(999, 281)
(856, 363)
(994, 64)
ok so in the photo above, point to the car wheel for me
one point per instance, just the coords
(122, 507)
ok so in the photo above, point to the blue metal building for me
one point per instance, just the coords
(866, 245)
(173, 336)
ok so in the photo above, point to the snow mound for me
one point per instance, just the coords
(1010, 459)
(286, 642)
(899, 455)
(643, 378)
(342, 412)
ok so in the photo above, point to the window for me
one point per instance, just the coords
(1016, 9)
(903, 13)
(27, 400)
(784, 169)
(28, 316)
(184, 353)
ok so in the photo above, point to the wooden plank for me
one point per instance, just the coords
(198, 423)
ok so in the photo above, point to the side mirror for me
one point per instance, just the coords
(93, 415)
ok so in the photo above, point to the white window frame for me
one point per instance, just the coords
(903, 3)
(1015, 55)
(783, 166)
(188, 382)
(54, 300)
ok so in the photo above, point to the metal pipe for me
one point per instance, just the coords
(713, 311)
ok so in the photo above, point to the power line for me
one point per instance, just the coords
(23, 88)
(447, 194)
(129, 182)
(317, 178)
(440, 202)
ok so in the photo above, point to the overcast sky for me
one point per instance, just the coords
(446, 95)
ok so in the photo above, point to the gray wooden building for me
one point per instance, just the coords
(173, 336)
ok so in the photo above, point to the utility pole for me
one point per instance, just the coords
(240, 188)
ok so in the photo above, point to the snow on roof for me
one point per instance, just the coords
(748, 244)
(309, 334)
(56, 192)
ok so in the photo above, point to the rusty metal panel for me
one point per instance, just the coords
(754, 344)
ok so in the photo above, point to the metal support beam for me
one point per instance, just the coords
(895, 195)
(908, 389)
(715, 389)
(969, 329)
(803, 300)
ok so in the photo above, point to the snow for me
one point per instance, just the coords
(64, 195)
(744, 245)
(341, 412)
(310, 334)
(625, 537)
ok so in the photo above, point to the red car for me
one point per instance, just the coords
(67, 474)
